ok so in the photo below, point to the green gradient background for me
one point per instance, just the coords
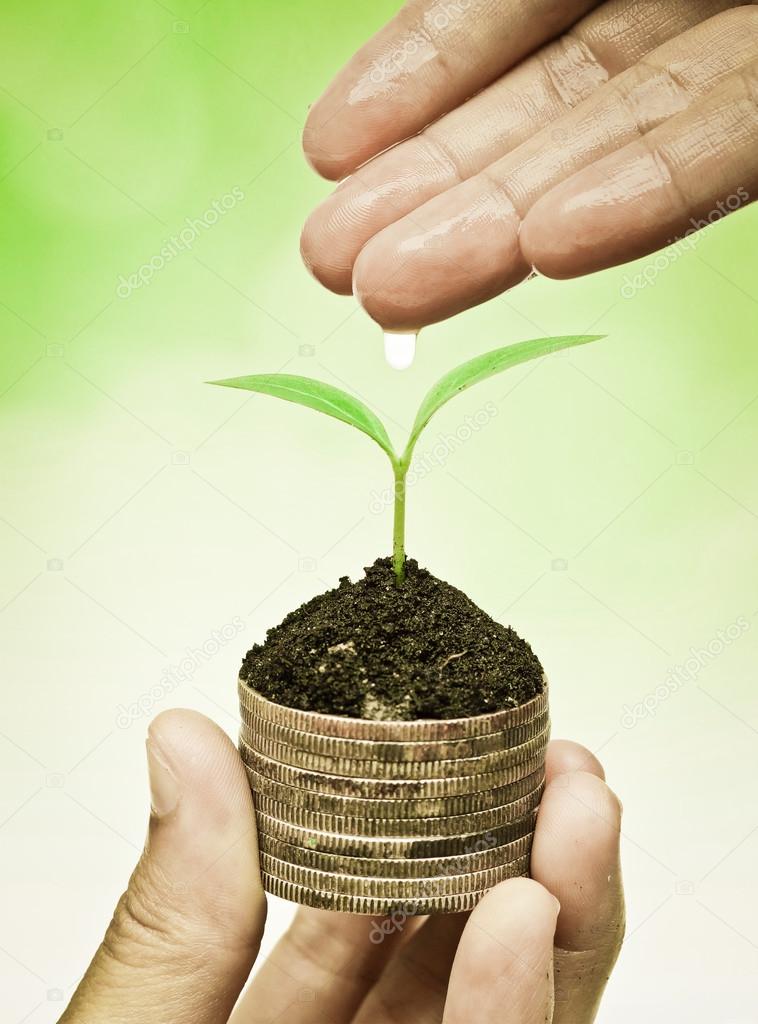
(609, 511)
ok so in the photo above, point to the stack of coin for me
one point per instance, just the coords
(377, 817)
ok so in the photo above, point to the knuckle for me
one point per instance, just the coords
(573, 69)
(137, 928)
(442, 153)
(156, 921)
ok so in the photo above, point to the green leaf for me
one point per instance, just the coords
(482, 367)
(319, 396)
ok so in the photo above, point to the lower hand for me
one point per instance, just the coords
(186, 934)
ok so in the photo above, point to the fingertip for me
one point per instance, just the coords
(576, 856)
(588, 799)
(318, 140)
(206, 764)
(319, 249)
(176, 724)
(615, 210)
(343, 128)
(551, 241)
(565, 756)
(319, 152)
(457, 250)
(518, 896)
(357, 117)
(505, 952)
(191, 737)
(516, 915)
(405, 281)
(385, 284)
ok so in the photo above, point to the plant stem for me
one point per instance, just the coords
(398, 533)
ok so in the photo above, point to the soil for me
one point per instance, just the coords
(373, 649)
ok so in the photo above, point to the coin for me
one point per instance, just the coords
(360, 806)
(485, 763)
(345, 785)
(393, 848)
(370, 905)
(392, 888)
(473, 821)
(361, 728)
(477, 857)
(370, 750)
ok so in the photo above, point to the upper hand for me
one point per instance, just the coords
(566, 136)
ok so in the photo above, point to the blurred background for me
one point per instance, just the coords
(153, 527)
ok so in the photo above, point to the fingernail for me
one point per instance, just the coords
(164, 789)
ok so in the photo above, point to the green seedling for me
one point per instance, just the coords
(333, 402)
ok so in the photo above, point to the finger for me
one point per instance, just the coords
(321, 969)
(606, 42)
(576, 857)
(413, 986)
(565, 756)
(465, 246)
(502, 972)
(699, 166)
(186, 932)
(427, 60)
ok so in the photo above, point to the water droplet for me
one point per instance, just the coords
(400, 348)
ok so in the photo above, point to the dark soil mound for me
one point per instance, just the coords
(372, 649)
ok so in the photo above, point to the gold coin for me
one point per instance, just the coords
(360, 806)
(361, 728)
(411, 889)
(474, 821)
(478, 857)
(377, 750)
(383, 789)
(485, 763)
(397, 910)
(392, 848)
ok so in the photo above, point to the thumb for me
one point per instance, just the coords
(187, 930)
